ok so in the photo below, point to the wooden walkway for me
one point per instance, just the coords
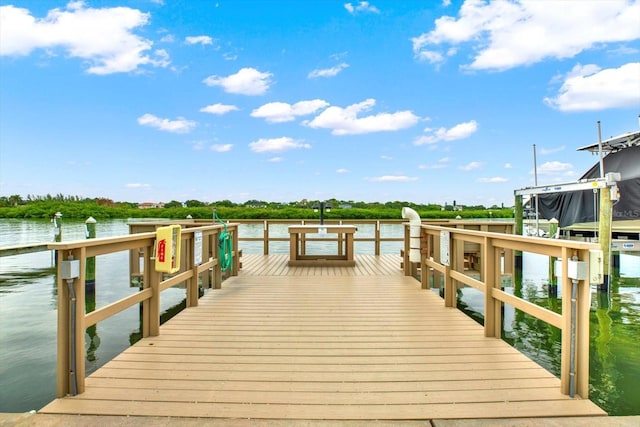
(347, 343)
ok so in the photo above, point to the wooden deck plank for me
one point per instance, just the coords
(322, 398)
(277, 265)
(175, 363)
(131, 407)
(354, 387)
(350, 343)
(319, 375)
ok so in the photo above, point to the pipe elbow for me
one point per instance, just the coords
(411, 215)
(414, 242)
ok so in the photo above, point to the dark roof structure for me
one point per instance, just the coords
(614, 144)
(583, 206)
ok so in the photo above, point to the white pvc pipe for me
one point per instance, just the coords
(414, 233)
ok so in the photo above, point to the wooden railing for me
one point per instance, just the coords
(497, 250)
(72, 319)
(267, 235)
(377, 238)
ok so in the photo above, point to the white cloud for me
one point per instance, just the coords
(554, 168)
(203, 40)
(218, 109)
(589, 88)
(276, 160)
(441, 165)
(264, 145)
(363, 6)
(328, 72)
(392, 178)
(545, 151)
(508, 166)
(221, 148)
(137, 185)
(471, 166)
(383, 157)
(247, 81)
(104, 37)
(513, 33)
(229, 56)
(493, 180)
(345, 121)
(342, 170)
(459, 131)
(278, 112)
(180, 125)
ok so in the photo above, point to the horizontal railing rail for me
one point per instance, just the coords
(377, 238)
(267, 236)
(28, 248)
(72, 319)
(442, 261)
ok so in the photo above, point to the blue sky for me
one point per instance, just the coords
(421, 101)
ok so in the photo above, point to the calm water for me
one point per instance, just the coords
(28, 314)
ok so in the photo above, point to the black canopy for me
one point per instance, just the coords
(582, 206)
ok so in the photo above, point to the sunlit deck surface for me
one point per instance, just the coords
(337, 343)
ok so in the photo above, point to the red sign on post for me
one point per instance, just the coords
(162, 250)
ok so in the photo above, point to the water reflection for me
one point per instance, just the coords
(615, 353)
(533, 337)
(92, 339)
(11, 279)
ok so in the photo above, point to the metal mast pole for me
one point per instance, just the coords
(535, 179)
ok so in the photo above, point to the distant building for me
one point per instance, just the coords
(150, 205)
(255, 204)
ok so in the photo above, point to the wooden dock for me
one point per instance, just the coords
(324, 343)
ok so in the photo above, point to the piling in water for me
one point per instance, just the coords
(90, 272)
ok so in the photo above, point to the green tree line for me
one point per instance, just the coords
(101, 208)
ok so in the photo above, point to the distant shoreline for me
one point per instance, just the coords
(105, 209)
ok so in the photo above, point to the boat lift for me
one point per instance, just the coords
(609, 193)
(610, 180)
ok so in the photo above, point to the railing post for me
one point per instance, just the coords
(580, 366)
(582, 333)
(71, 330)
(424, 254)
(146, 283)
(438, 281)
(565, 370)
(217, 268)
(457, 256)
(450, 297)
(64, 328)
(206, 255)
(80, 288)
(190, 263)
(449, 289)
(154, 303)
(377, 237)
(265, 237)
(303, 243)
(236, 254)
(491, 278)
(406, 265)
